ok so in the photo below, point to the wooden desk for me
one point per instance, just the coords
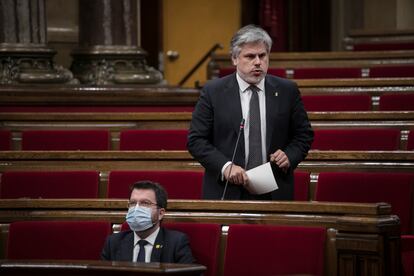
(90, 268)
(359, 236)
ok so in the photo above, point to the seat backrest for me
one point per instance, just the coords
(392, 71)
(327, 73)
(337, 102)
(356, 139)
(410, 141)
(396, 189)
(5, 139)
(204, 242)
(178, 184)
(49, 184)
(302, 185)
(396, 102)
(65, 140)
(153, 139)
(77, 240)
(274, 250)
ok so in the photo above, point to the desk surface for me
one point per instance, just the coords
(81, 267)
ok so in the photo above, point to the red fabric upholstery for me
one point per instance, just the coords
(407, 254)
(47, 108)
(396, 189)
(356, 139)
(51, 184)
(5, 140)
(154, 139)
(280, 72)
(178, 184)
(65, 140)
(204, 242)
(327, 73)
(402, 102)
(410, 142)
(274, 250)
(392, 71)
(383, 46)
(78, 240)
(337, 102)
(302, 183)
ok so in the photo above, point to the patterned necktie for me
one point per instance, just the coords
(141, 253)
(255, 135)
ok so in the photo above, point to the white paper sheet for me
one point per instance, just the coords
(261, 180)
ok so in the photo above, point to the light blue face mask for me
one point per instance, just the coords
(139, 218)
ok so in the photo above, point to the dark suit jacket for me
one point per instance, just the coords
(215, 125)
(170, 247)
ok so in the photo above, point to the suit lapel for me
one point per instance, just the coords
(232, 94)
(158, 246)
(127, 248)
(272, 105)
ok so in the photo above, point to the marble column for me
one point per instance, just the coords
(108, 50)
(24, 55)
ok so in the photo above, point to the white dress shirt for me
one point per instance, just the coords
(148, 247)
(245, 95)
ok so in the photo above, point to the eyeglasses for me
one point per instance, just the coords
(144, 203)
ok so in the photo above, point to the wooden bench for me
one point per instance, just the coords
(289, 61)
(104, 162)
(115, 122)
(52, 98)
(359, 237)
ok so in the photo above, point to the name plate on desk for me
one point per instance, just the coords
(82, 267)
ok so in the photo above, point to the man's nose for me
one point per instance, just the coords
(257, 59)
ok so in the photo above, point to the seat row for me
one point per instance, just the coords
(284, 249)
(400, 71)
(168, 139)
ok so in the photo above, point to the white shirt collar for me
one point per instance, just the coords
(150, 239)
(243, 85)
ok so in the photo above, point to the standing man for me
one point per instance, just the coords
(276, 127)
(146, 241)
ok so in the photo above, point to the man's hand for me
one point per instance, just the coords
(281, 160)
(237, 175)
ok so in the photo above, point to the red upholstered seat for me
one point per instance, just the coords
(394, 188)
(302, 183)
(77, 240)
(356, 139)
(65, 140)
(337, 102)
(396, 101)
(407, 254)
(204, 242)
(50, 184)
(383, 46)
(153, 139)
(5, 140)
(178, 184)
(327, 73)
(392, 71)
(274, 250)
(280, 72)
(410, 142)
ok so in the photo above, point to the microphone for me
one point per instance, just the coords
(234, 154)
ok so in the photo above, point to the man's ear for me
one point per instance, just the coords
(234, 60)
(161, 214)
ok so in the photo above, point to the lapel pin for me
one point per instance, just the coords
(276, 94)
(158, 246)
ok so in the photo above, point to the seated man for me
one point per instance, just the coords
(147, 241)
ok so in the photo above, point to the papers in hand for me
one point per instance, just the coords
(261, 180)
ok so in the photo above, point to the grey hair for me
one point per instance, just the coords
(249, 34)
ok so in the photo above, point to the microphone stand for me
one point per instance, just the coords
(232, 158)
